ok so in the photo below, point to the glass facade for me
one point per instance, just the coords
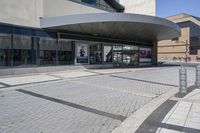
(108, 57)
(125, 55)
(47, 51)
(24, 47)
(145, 56)
(5, 50)
(65, 54)
(101, 4)
(96, 53)
(23, 51)
(130, 55)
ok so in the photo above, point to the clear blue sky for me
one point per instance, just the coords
(167, 8)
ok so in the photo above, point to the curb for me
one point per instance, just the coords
(132, 123)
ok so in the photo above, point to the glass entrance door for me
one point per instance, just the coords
(117, 59)
(130, 59)
(125, 56)
(95, 53)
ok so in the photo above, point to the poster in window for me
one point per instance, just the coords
(107, 54)
(82, 53)
(145, 56)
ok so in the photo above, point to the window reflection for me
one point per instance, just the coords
(64, 52)
(96, 54)
(47, 51)
(107, 54)
(5, 50)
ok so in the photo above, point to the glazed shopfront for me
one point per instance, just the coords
(120, 55)
(46, 49)
(118, 39)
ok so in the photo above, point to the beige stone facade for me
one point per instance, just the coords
(178, 49)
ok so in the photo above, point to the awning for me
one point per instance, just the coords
(122, 26)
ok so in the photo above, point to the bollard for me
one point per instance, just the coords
(197, 83)
(183, 80)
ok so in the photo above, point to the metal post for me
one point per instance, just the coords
(197, 83)
(183, 80)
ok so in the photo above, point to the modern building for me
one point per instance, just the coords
(145, 7)
(78, 32)
(187, 46)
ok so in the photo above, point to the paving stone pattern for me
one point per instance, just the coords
(117, 94)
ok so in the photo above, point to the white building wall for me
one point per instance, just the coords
(146, 7)
(21, 12)
(54, 8)
(29, 12)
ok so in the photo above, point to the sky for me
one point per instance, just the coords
(165, 8)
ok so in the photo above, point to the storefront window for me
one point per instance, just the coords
(95, 54)
(5, 50)
(82, 53)
(23, 51)
(108, 54)
(125, 55)
(117, 47)
(48, 48)
(130, 55)
(64, 52)
(145, 56)
(117, 59)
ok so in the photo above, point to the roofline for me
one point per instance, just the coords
(177, 15)
(189, 18)
(92, 17)
(71, 20)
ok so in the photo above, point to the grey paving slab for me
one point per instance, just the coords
(23, 113)
(163, 75)
(116, 102)
(126, 84)
(183, 117)
(81, 102)
(13, 81)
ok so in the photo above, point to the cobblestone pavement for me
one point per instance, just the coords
(94, 103)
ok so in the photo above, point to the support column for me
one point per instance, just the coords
(12, 51)
(197, 83)
(32, 50)
(74, 52)
(57, 48)
(38, 51)
(155, 53)
(182, 80)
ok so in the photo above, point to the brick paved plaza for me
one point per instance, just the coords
(81, 101)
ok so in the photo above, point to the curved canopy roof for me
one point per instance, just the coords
(129, 27)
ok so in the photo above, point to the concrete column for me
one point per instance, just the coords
(197, 83)
(183, 80)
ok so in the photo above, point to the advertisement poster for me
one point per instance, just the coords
(82, 53)
(107, 54)
(145, 56)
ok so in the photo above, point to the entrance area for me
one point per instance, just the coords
(125, 56)
(119, 55)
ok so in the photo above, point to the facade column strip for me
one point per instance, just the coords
(58, 38)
